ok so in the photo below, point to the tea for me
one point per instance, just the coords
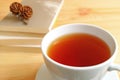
(79, 50)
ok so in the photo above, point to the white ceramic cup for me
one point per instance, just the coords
(64, 72)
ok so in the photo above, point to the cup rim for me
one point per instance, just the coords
(84, 67)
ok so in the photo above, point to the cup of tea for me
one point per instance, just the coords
(79, 52)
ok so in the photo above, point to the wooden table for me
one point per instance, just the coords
(22, 63)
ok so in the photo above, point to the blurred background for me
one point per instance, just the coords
(23, 62)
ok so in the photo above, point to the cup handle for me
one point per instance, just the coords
(114, 67)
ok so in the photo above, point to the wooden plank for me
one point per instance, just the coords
(22, 63)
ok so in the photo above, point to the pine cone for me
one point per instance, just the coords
(26, 12)
(16, 8)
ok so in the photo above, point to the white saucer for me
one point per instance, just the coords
(43, 74)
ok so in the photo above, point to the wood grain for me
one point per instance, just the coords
(19, 63)
(22, 63)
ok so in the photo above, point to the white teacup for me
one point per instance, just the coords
(64, 72)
